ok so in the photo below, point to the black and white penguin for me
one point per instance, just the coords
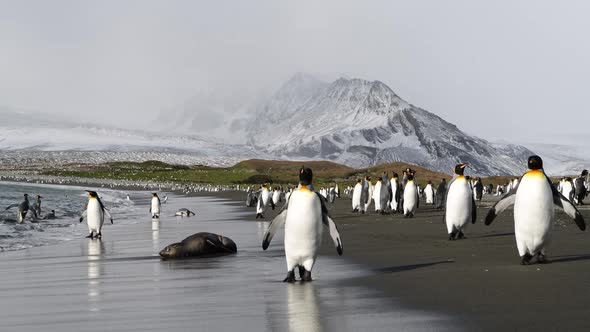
(264, 200)
(429, 193)
(155, 206)
(356, 196)
(303, 215)
(478, 189)
(23, 208)
(395, 193)
(386, 193)
(95, 213)
(534, 212)
(411, 198)
(441, 194)
(460, 206)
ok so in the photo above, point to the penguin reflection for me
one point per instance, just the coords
(95, 251)
(303, 308)
(156, 234)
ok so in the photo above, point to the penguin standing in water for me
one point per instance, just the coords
(23, 208)
(304, 215)
(534, 211)
(264, 199)
(95, 213)
(37, 205)
(356, 196)
(156, 205)
(460, 204)
(411, 198)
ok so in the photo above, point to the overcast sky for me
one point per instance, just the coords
(511, 70)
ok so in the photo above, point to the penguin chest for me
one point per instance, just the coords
(303, 226)
(459, 203)
(94, 215)
(533, 208)
(356, 195)
(410, 196)
(155, 206)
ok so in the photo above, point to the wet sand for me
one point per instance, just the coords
(479, 280)
(119, 283)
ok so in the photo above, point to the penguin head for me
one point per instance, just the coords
(26, 195)
(395, 176)
(305, 176)
(92, 193)
(535, 162)
(155, 194)
(171, 251)
(358, 180)
(585, 172)
(410, 176)
(460, 168)
(39, 196)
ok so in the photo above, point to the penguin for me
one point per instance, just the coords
(250, 199)
(276, 196)
(165, 199)
(580, 187)
(356, 196)
(429, 193)
(411, 199)
(128, 198)
(156, 205)
(534, 212)
(303, 215)
(337, 190)
(567, 188)
(441, 194)
(95, 213)
(264, 199)
(37, 205)
(395, 192)
(366, 194)
(478, 189)
(23, 208)
(184, 212)
(460, 204)
(385, 195)
(377, 196)
(332, 195)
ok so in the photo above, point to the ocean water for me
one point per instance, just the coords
(68, 202)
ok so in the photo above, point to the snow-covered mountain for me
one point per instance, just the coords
(363, 123)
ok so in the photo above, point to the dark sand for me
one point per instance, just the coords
(396, 274)
(479, 280)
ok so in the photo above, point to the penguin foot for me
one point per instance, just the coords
(99, 235)
(460, 235)
(363, 212)
(452, 235)
(290, 277)
(301, 272)
(90, 236)
(306, 276)
(542, 259)
(525, 259)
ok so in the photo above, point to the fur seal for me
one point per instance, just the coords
(200, 244)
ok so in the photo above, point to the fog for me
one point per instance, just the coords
(507, 70)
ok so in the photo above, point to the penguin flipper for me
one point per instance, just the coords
(328, 222)
(500, 206)
(83, 215)
(109, 214)
(275, 224)
(568, 207)
(473, 210)
(11, 206)
(32, 209)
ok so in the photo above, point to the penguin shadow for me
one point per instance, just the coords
(569, 258)
(403, 268)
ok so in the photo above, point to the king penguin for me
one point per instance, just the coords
(23, 208)
(377, 196)
(411, 199)
(264, 199)
(156, 205)
(429, 193)
(356, 196)
(460, 204)
(95, 213)
(303, 216)
(534, 212)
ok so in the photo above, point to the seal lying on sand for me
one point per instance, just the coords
(200, 244)
(184, 213)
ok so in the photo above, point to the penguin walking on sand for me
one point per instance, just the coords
(264, 199)
(385, 195)
(460, 204)
(95, 213)
(304, 216)
(534, 212)
(478, 189)
(368, 191)
(23, 208)
(155, 206)
(377, 196)
(411, 198)
(356, 196)
(395, 193)
(429, 193)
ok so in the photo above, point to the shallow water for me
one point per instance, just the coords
(68, 203)
(121, 284)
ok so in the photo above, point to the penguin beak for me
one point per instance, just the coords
(464, 165)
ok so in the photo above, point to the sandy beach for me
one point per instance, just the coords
(396, 274)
